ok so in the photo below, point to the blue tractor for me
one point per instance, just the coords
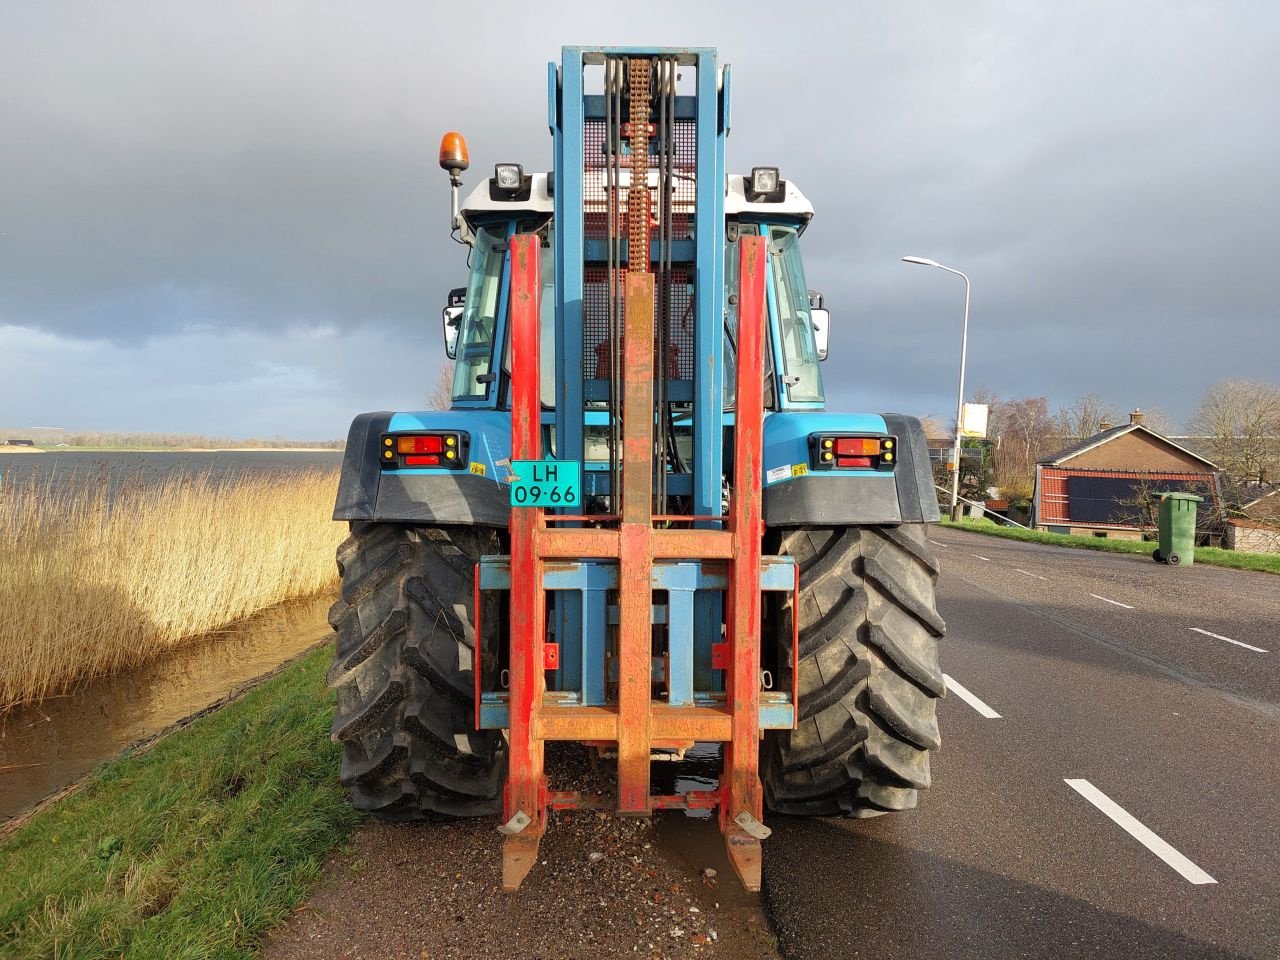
(637, 526)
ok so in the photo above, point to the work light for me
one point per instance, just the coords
(764, 179)
(508, 176)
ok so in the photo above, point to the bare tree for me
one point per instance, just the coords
(1020, 430)
(1142, 509)
(1153, 418)
(441, 396)
(1241, 418)
(935, 428)
(1083, 417)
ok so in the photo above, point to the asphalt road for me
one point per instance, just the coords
(1106, 672)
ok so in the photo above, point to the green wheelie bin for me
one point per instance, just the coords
(1177, 519)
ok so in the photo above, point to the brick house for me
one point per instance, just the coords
(1101, 486)
(1264, 507)
(1257, 530)
(1251, 536)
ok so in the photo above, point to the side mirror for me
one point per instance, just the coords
(452, 318)
(821, 320)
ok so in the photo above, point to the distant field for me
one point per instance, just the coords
(74, 439)
(116, 467)
(108, 571)
(143, 448)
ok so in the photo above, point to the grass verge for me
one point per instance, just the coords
(1210, 556)
(193, 848)
(97, 575)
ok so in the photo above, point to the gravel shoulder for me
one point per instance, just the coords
(432, 889)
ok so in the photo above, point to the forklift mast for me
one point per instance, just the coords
(639, 333)
(668, 128)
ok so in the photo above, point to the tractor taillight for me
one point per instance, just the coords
(424, 450)
(844, 452)
(857, 446)
(432, 443)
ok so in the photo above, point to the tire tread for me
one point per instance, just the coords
(869, 673)
(403, 674)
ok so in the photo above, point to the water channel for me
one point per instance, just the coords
(48, 745)
(57, 469)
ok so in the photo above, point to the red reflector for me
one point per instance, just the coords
(853, 461)
(422, 461)
(857, 446)
(428, 444)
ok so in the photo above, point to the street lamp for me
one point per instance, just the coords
(964, 349)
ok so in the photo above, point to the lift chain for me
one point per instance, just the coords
(638, 195)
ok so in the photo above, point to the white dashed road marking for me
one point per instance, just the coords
(1029, 573)
(1142, 834)
(980, 557)
(937, 544)
(1218, 636)
(963, 693)
(1116, 602)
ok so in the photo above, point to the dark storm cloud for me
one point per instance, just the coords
(257, 183)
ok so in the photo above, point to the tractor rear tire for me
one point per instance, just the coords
(403, 673)
(869, 673)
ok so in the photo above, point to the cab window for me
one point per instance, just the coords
(794, 326)
(471, 371)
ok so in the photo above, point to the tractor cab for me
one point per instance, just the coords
(475, 320)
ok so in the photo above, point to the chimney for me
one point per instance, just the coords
(1105, 425)
(1136, 416)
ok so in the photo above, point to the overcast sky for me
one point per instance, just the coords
(228, 219)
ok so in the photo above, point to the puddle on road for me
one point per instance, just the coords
(47, 745)
(698, 772)
(693, 840)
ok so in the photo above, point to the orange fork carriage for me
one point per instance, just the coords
(636, 722)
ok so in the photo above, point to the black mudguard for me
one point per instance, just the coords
(831, 501)
(367, 492)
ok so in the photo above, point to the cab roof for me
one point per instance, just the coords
(540, 201)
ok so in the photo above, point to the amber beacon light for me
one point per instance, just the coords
(453, 154)
(454, 159)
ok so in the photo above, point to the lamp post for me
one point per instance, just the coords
(964, 350)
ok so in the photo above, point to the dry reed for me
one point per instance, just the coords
(95, 579)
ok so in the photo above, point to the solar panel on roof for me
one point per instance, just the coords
(1094, 499)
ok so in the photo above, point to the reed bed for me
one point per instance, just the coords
(98, 575)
